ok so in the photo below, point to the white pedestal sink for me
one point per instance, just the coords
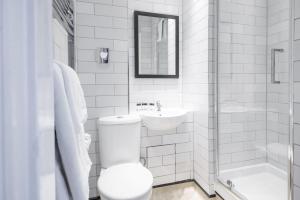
(163, 120)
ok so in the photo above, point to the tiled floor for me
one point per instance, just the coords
(183, 191)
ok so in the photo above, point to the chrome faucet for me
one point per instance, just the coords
(158, 106)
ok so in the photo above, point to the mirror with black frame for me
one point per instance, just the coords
(156, 38)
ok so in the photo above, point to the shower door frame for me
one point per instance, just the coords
(216, 10)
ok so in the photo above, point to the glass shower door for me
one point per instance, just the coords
(253, 98)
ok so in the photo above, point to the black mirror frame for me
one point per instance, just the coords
(136, 44)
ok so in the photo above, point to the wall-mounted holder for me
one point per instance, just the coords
(102, 55)
(273, 65)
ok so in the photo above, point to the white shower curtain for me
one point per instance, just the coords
(26, 101)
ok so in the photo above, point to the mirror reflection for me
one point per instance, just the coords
(157, 46)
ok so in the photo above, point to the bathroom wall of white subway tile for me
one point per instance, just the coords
(168, 91)
(102, 24)
(296, 63)
(198, 85)
(110, 24)
(169, 153)
(278, 94)
(242, 82)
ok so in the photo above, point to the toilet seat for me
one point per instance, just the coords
(125, 181)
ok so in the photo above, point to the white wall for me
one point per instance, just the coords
(296, 63)
(60, 42)
(169, 153)
(168, 91)
(197, 85)
(102, 24)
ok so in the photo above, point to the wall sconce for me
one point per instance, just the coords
(102, 55)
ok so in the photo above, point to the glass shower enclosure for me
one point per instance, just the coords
(253, 98)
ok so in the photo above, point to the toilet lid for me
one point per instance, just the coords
(125, 181)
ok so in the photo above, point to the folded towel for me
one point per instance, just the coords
(74, 92)
(78, 109)
(61, 185)
(70, 135)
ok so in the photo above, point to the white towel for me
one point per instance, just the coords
(61, 184)
(70, 135)
(76, 100)
(78, 108)
(74, 91)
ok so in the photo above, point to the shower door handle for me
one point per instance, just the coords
(273, 65)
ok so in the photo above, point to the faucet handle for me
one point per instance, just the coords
(158, 105)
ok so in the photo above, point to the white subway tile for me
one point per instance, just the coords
(151, 141)
(161, 150)
(121, 23)
(114, 11)
(297, 29)
(93, 90)
(184, 147)
(155, 161)
(297, 71)
(297, 92)
(296, 50)
(90, 102)
(87, 78)
(164, 132)
(93, 20)
(107, 101)
(111, 33)
(164, 179)
(297, 175)
(297, 134)
(162, 170)
(123, 3)
(83, 7)
(183, 167)
(176, 138)
(111, 79)
(93, 44)
(297, 113)
(85, 31)
(120, 45)
(183, 157)
(121, 68)
(95, 113)
(183, 176)
(93, 67)
(86, 55)
(169, 159)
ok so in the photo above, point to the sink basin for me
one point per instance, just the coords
(163, 120)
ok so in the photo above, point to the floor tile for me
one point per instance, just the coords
(182, 191)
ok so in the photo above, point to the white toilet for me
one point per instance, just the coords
(122, 176)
